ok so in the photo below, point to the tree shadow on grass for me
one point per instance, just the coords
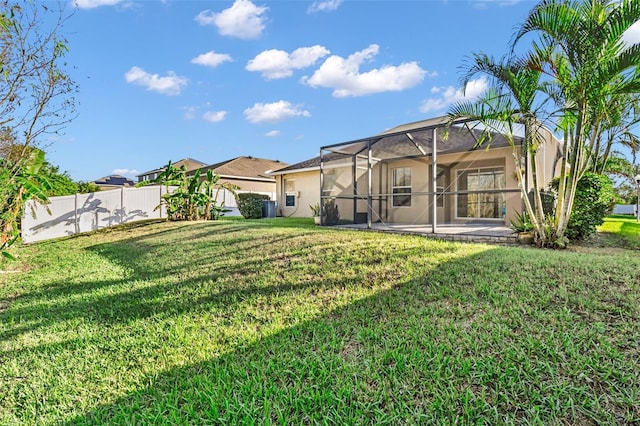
(454, 344)
(220, 277)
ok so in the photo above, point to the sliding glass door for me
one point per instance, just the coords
(480, 205)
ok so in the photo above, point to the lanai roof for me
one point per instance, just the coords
(407, 140)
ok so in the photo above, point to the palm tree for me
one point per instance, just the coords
(589, 68)
(576, 73)
(511, 101)
(618, 126)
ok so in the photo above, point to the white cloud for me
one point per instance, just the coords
(170, 84)
(483, 4)
(272, 133)
(214, 116)
(275, 63)
(344, 76)
(211, 59)
(243, 20)
(90, 4)
(632, 35)
(449, 95)
(126, 172)
(274, 112)
(324, 6)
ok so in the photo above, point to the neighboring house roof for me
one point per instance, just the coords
(246, 167)
(189, 163)
(407, 140)
(114, 180)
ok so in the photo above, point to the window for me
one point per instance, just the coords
(480, 205)
(289, 193)
(440, 184)
(401, 185)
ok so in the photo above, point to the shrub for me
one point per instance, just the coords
(522, 223)
(331, 213)
(593, 201)
(250, 205)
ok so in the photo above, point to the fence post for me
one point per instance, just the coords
(122, 209)
(75, 214)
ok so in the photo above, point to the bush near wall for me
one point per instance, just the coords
(594, 200)
(250, 205)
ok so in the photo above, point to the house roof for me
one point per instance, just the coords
(407, 140)
(114, 180)
(186, 161)
(245, 167)
(310, 164)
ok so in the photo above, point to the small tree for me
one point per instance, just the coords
(36, 99)
(17, 187)
(191, 197)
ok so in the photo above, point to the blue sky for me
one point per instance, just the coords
(213, 80)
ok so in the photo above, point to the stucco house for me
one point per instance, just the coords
(189, 164)
(413, 174)
(247, 172)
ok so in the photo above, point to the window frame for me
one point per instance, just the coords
(477, 172)
(401, 195)
(289, 195)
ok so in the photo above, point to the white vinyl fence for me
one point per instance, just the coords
(624, 209)
(73, 214)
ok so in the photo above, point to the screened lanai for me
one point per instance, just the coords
(421, 174)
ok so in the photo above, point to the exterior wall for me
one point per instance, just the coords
(338, 182)
(307, 189)
(251, 185)
(420, 210)
(549, 163)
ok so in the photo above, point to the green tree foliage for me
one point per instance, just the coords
(250, 205)
(191, 197)
(86, 187)
(593, 201)
(577, 77)
(20, 181)
(36, 100)
(60, 183)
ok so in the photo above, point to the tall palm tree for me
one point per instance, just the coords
(511, 101)
(580, 51)
(577, 75)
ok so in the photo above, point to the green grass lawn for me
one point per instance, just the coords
(624, 230)
(282, 322)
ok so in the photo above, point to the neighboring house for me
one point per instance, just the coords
(114, 182)
(397, 177)
(189, 163)
(246, 172)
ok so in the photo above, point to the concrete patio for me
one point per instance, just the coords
(481, 232)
